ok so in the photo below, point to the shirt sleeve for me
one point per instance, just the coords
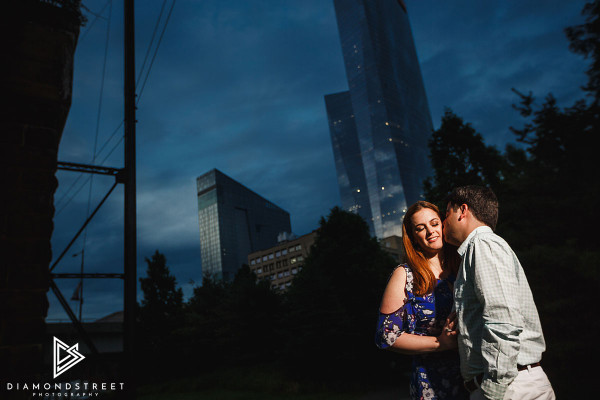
(389, 328)
(496, 285)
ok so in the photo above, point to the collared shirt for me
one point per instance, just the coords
(498, 323)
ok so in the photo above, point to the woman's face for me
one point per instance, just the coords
(427, 230)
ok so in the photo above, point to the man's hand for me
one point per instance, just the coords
(448, 339)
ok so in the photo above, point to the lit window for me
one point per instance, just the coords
(293, 260)
(387, 124)
(357, 190)
(383, 188)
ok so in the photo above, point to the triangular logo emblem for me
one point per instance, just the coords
(64, 357)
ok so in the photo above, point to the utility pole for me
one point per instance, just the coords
(130, 284)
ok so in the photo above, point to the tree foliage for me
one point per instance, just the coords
(332, 303)
(585, 40)
(159, 315)
(460, 157)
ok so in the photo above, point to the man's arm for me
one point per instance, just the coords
(495, 284)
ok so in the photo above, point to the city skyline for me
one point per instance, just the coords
(239, 86)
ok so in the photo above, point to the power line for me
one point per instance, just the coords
(96, 15)
(155, 52)
(162, 8)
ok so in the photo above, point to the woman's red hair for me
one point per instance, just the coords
(424, 280)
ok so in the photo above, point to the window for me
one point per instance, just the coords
(258, 260)
(283, 252)
(284, 263)
(271, 256)
(300, 258)
(286, 273)
(259, 271)
(293, 260)
(278, 254)
(280, 275)
(264, 258)
(252, 262)
(294, 271)
(291, 249)
(278, 264)
(299, 247)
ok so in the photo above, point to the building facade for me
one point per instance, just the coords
(234, 222)
(281, 263)
(381, 126)
(394, 247)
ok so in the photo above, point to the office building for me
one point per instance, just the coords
(234, 222)
(394, 247)
(381, 126)
(282, 262)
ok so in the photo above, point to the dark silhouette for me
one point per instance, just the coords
(36, 74)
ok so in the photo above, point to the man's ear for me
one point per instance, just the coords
(464, 209)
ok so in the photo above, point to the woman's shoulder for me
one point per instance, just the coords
(394, 295)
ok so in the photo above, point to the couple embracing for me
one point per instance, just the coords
(463, 289)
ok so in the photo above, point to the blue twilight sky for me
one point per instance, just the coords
(238, 85)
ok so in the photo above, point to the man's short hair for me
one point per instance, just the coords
(481, 201)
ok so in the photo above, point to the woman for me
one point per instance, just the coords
(415, 313)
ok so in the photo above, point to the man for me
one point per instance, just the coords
(500, 338)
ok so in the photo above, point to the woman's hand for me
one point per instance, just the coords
(448, 338)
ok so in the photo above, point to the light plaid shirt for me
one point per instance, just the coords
(497, 319)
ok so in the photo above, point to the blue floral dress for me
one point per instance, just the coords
(435, 375)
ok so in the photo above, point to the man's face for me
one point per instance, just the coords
(451, 226)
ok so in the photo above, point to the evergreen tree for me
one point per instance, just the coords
(160, 316)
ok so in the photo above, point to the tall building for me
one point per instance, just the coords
(380, 126)
(234, 222)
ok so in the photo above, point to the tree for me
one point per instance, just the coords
(160, 315)
(460, 157)
(331, 307)
(585, 40)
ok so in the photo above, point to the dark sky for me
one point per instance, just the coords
(239, 86)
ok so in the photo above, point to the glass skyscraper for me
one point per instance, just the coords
(234, 222)
(380, 126)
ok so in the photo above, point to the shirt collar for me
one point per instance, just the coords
(463, 247)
